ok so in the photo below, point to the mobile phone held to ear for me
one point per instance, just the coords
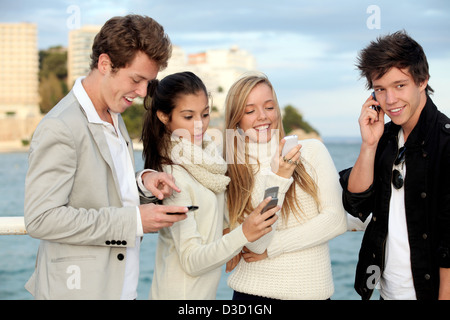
(374, 107)
(190, 208)
(291, 142)
(270, 192)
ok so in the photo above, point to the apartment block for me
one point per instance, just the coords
(19, 80)
(218, 68)
(79, 52)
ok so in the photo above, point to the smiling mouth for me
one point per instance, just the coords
(396, 110)
(129, 99)
(198, 135)
(262, 128)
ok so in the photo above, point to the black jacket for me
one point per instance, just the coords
(427, 204)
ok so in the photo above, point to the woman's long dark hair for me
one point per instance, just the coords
(162, 96)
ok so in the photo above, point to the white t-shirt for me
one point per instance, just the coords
(396, 281)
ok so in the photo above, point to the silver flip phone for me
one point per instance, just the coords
(271, 192)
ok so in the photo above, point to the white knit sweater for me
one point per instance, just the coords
(298, 264)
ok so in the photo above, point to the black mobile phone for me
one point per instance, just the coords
(374, 107)
(270, 192)
(190, 208)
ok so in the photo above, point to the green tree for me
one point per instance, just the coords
(53, 60)
(52, 77)
(133, 118)
(292, 120)
(50, 91)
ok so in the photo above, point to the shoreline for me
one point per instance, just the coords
(13, 147)
(17, 146)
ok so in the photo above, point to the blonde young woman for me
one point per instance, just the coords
(292, 261)
(190, 253)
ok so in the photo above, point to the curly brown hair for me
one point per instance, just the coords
(122, 37)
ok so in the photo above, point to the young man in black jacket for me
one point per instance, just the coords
(401, 177)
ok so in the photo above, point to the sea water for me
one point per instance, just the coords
(18, 252)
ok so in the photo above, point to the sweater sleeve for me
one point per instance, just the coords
(329, 222)
(197, 255)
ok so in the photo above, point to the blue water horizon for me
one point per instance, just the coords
(18, 252)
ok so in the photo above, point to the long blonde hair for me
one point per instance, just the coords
(240, 188)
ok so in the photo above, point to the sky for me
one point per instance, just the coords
(308, 49)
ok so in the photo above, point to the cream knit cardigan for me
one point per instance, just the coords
(190, 254)
(298, 264)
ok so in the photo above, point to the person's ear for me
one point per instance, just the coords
(423, 85)
(104, 63)
(164, 118)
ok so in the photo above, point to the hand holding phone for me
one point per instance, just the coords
(190, 208)
(291, 142)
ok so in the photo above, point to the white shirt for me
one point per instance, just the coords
(396, 281)
(125, 174)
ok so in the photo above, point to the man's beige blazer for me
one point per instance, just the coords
(73, 204)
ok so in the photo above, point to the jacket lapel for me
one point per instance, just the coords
(102, 145)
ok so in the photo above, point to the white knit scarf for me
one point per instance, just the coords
(203, 162)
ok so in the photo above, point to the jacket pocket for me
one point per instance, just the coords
(73, 258)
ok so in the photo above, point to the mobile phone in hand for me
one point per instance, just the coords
(270, 192)
(291, 142)
(190, 208)
(374, 107)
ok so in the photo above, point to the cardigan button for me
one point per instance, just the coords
(427, 277)
(120, 257)
(424, 236)
(423, 195)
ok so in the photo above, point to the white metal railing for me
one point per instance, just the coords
(12, 225)
(16, 225)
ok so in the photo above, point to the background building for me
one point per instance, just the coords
(19, 82)
(218, 68)
(19, 73)
(79, 52)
